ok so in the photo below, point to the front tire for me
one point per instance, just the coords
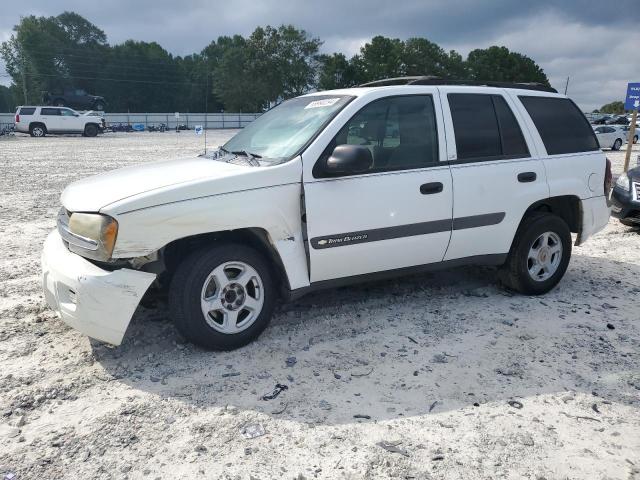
(222, 297)
(90, 130)
(617, 144)
(539, 255)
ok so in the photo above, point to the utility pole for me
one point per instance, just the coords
(24, 76)
(631, 102)
(206, 108)
(632, 132)
(566, 86)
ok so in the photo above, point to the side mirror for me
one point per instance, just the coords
(349, 159)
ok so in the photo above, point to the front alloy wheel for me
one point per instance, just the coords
(221, 297)
(232, 297)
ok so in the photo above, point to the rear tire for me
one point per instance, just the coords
(635, 139)
(99, 106)
(234, 285)
(90, 130)
(37, 130)
(617, 144)
(539, 255)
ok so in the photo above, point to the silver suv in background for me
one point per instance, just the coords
(40, 121)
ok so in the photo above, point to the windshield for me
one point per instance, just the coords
(280, 133)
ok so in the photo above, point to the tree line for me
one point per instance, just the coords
(232, 73)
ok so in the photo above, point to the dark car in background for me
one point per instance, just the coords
(625, 198)
(74, 97)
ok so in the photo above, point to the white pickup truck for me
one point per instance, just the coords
(327, 189)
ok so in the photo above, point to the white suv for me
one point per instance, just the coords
(327, 189)
(39, 121)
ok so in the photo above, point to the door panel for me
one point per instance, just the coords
(396, 215)
(372, 223)
(495, 185)
(51, 118)
(492, 190)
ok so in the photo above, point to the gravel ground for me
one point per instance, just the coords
(444, 375)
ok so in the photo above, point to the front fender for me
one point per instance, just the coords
(275, 209)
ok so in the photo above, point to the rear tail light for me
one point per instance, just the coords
(17, 118)
(608, 178)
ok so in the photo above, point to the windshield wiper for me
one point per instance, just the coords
(244, 153)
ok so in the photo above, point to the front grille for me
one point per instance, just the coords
(636, 191)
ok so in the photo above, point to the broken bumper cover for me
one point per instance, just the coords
(96, 302)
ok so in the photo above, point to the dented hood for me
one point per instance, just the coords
(156, 183)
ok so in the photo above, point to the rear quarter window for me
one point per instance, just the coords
(562, 126)
(27, 111)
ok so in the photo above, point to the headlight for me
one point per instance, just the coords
(90, 235)
(623, 182)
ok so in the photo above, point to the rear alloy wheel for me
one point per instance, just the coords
(539, 255)
(37, 131)
(222, 297)
(90, 131)
(617, 144)
(99, 106)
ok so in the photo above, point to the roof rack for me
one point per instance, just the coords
(430, 80)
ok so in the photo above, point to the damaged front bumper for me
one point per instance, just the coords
(94, 301)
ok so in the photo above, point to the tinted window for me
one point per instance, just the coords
(485, 128)
(27, 110)
(400, 132)
(513, 144)
(50, 111)
(562, 126)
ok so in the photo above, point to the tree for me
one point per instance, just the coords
(499, 64)
(422, 57)
(381, 58)
(7, 102)
(335, 71)
(234, 73)
(613, 107)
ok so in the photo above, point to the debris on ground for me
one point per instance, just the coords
(253, 430)
(393, 447)
(276, 391)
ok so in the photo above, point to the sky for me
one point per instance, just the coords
(594, 42)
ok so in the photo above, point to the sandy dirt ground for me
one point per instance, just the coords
(438, 376)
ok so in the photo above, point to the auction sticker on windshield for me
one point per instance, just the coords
(326, 102)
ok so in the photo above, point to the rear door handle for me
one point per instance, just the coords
(526, 177)
(431, 188)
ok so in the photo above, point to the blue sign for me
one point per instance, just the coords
(198, 130)
(138, 127)
(632, 102)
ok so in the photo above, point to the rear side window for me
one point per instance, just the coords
(27, 110)
(50, 111)
(561, 124)
(485, 128)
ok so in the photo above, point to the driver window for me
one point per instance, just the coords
(67, 113)
(400, 132)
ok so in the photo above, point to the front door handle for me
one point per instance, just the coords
(526, 177)
(430, 188)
